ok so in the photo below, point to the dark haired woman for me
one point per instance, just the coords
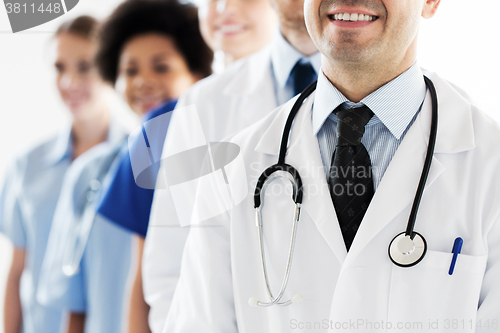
(34, 182)
(151, 51)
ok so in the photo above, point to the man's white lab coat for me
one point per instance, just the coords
(360, 290)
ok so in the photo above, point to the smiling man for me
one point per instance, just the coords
(362, 142)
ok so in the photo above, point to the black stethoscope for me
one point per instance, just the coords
(405, 250)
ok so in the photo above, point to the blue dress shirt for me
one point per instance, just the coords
(395, 105)
(125, 203)
(283, 58)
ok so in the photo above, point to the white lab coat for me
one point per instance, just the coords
(362, 290)
(243, 94)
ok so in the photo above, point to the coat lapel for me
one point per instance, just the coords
(399, 184)
(304, 155)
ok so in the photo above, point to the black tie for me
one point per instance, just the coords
(303, 74)
(350, 179)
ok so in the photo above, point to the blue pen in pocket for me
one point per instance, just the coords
(457, 247)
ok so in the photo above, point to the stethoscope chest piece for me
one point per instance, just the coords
(407, 252)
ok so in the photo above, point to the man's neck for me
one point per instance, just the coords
(299, 39)
(356, 82)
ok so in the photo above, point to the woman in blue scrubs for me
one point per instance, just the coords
(152, 51)
(34, 181)
(87, 261)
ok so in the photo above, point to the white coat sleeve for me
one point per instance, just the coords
(164, 243)
(162, 256)
(165, 239)
(161, 264)
(163, 248)
(203, 300)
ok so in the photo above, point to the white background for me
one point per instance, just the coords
(461, 43)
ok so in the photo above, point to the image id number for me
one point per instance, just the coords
(18, 8)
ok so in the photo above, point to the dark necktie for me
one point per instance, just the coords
(303, 74)
(350, 179)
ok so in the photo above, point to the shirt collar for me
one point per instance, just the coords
(63, 147)
(284, 57)
(394, 104)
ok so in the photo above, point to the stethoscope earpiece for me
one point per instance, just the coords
(297, 298)
(253, 302)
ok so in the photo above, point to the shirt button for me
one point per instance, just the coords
(94, 184)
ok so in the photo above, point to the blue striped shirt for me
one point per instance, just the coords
(395, 107)
(283, 58)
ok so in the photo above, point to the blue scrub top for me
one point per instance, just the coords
(99, 288)
(124, 202)
(27, 204)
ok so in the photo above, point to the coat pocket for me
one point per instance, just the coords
(426, 298)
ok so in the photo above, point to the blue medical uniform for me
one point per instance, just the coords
(125, 203)
(99, 287)
(27, 204)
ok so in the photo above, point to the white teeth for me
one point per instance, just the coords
(230, 28)
(353, 17)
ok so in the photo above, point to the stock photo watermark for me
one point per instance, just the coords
(312, 170)
(205, 179)
(410, 326)
(27, 14)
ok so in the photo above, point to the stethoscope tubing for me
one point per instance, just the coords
(428, 160)
(276, 300)
(288, 126)
(75, 244)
